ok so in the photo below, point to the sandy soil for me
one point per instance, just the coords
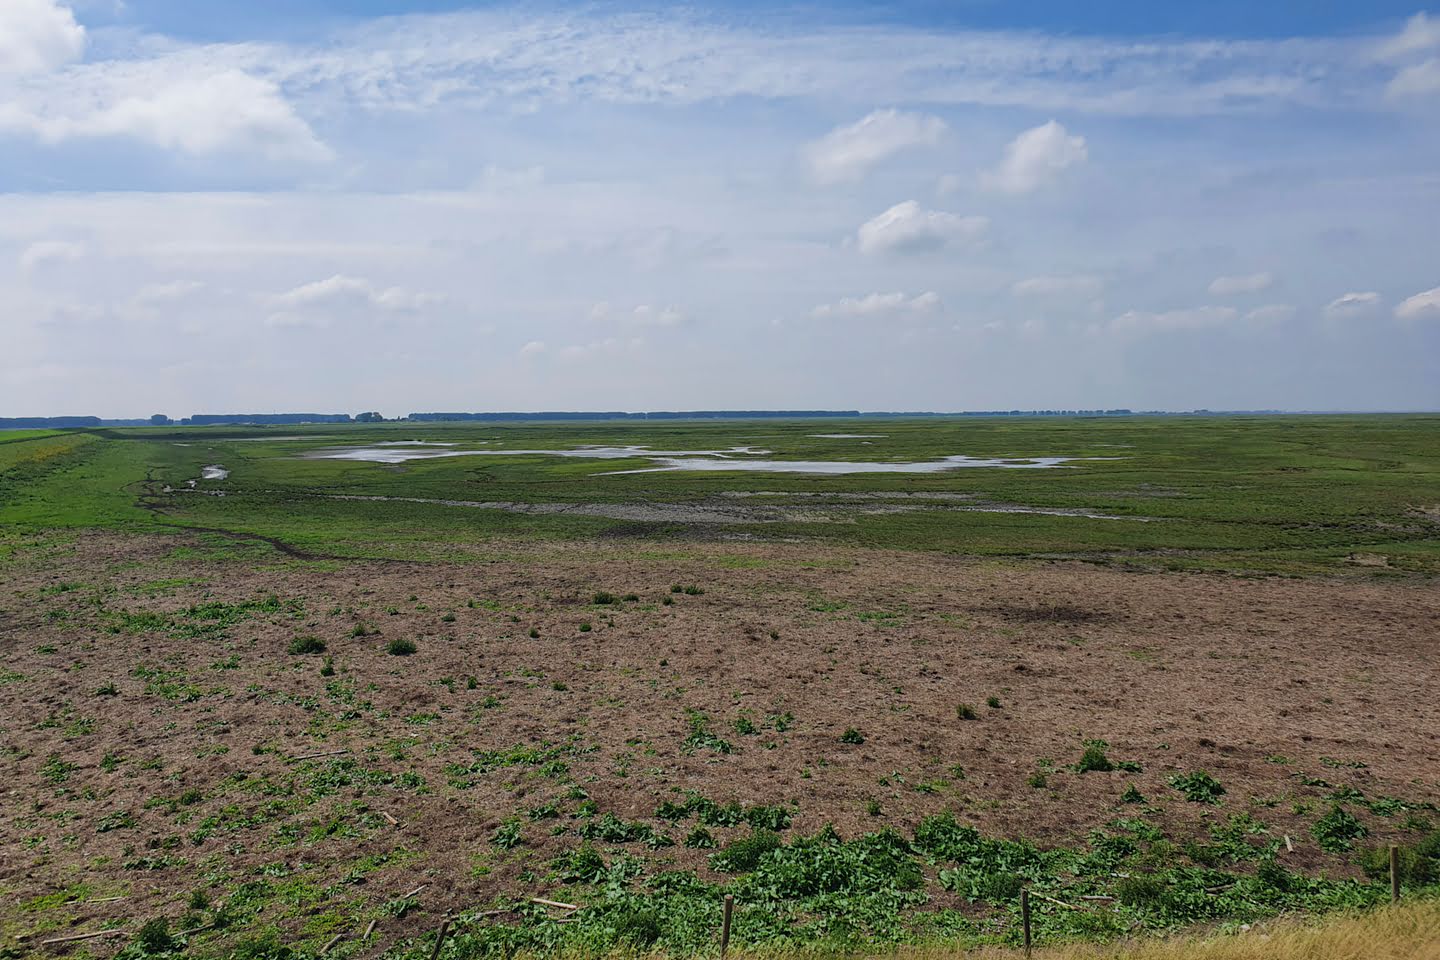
(1177, 672)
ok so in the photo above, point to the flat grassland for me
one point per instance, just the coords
(1257, 494)
(868, 706)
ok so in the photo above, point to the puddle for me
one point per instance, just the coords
(837, 467)
(848, 436)
(733, 459)
(213, 472)
(401, 451)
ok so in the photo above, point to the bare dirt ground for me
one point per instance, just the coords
(150, 741)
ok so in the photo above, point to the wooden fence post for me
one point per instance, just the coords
(1025, 917)
(1394, 873)
(440, 938)
(725, 926)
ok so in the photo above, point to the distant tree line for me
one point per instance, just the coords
(293, 419)
(652, 415)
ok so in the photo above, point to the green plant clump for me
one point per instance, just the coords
(1094, 758)
(744, 855)
(306, 643)
(1337, 831)
(1198, 787)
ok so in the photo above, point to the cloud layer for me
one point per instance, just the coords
(525, 207)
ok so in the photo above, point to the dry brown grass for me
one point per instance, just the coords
(1410, 931)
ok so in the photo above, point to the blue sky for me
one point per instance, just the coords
(230, 19)
(963, 205)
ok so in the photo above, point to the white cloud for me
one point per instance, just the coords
(648, 316)
(1036, 158)
(50, 251)
(1351, 305)
(1418, 77)
(37, 36)
(1426, 304)
(643, 315)
(1059, 288)
(1196, 318)
(335, 289)
(1240, 284)
(846, 154)
(157, 293)
(320, 303)
(533, 349)
(908, 228)
(199, 110)
(1416, 80)
(204, 98)
(1420, 34)
(609, 347)
(498, 56)
(878, 304)
(1270, 313)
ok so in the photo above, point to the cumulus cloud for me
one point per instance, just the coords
(42, 252)
(846, 154)
(1036, 158)
(1270, 313)
(1352, 305)
(37, 36)
(202, 111)
(1059, 288)
(1240, 284)
(878, 305)
(907, 228)
(318, 304)
(533, 349)
(1195, 318)
(1426, 305)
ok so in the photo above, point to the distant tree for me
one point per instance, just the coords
(370, 417)
(160, 420)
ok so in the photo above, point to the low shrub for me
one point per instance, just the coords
(306, 643)
(1094, 758)
(745, 854)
